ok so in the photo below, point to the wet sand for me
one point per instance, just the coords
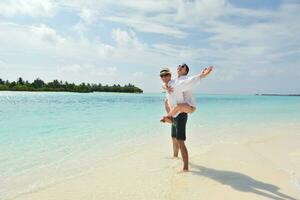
(260, 167)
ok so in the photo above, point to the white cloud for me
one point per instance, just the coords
(195, 12)
(89, 69)
(130, 49)
(167, 17)
(181, 52)
(132, 13)
(43, 41)
(251, 49)
(105, 50)
(147, 6)
(88, 17)
(89, 73)
(149, 25)
(127, 39)
(46, 34)
(223, 74)
(34, 8)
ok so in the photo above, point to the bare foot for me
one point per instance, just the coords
(163, 119)
(183, 171)
(166, 119)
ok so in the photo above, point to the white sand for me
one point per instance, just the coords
(264, 167)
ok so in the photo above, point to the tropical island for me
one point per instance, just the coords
(38, 85)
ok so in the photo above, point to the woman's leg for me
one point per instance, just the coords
(186, 108)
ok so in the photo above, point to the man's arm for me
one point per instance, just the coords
(190, 82)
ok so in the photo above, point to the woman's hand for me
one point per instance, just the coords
(206, 71)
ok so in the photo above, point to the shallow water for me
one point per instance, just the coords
(45, 137)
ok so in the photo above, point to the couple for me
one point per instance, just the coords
(179, 102)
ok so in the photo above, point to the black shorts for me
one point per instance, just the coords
(179, 126)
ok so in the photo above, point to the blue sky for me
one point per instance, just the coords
(254, 45)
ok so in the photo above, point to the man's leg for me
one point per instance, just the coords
(174, 140)
(175, 147)
(184, 154)
(181, 136)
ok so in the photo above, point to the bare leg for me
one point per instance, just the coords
(167, 107)
(164, 119)
(175, 147)
(184, 154)
(186, 108)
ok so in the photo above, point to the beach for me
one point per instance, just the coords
(88, 87)
(78, 146)
(262, 167)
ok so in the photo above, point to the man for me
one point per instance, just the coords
(189, 106)
(175, 97)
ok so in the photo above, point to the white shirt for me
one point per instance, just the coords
(188, 95)
(182, 91)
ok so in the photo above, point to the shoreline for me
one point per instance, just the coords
(259, 167)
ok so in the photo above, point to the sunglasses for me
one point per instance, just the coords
(181, 66)
(164, 75)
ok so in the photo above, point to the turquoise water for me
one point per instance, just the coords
(57, 135)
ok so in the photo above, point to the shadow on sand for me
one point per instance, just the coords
(241, 182)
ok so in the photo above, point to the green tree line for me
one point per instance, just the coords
(60, 86)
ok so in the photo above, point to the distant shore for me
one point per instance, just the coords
(277, 94)
(39, 85)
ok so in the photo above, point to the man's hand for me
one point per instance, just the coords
(206, 71)
(169, 89)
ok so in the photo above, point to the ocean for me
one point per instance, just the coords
(47, 137)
